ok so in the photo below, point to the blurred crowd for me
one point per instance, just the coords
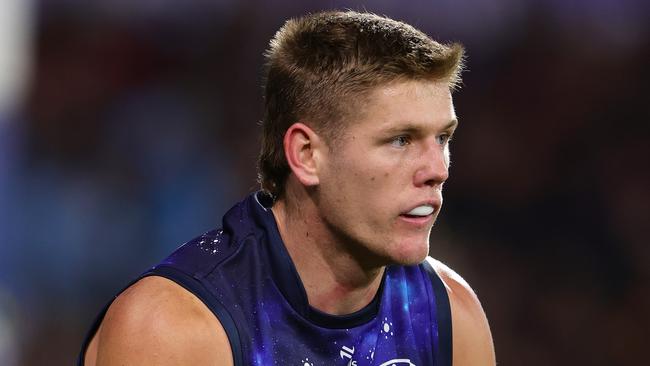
(139, 128)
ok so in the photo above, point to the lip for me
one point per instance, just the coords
(419, 221)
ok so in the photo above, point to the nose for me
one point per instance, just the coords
(433, 167)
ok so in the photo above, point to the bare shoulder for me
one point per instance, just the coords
(472, 343)
(156, 321)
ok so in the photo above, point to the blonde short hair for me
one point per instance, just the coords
(320, 65)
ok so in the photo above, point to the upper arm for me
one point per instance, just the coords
(472, 340)
(158, 322)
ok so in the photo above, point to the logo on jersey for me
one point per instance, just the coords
(347, 353)
(398, 362)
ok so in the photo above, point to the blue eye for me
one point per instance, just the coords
(443, 139)
(400, 141)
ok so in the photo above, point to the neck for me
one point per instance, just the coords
(336, 281)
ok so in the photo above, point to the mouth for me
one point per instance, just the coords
(421, 211)
(420, 215)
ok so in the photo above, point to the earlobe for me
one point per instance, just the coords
(301, 148)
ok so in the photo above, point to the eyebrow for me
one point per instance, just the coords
(413, 128)
(452, 124)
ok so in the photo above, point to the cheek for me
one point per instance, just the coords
(371, 181)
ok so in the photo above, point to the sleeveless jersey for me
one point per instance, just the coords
(245, 276)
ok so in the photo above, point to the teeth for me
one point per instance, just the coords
(423, 210)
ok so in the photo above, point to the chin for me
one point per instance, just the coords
(408, 254)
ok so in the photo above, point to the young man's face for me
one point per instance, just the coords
(381, 186)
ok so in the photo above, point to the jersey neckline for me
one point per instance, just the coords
(287, 280)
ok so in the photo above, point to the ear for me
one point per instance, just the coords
(302, 149)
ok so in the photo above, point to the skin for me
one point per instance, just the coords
(342, 219)
(344, 205)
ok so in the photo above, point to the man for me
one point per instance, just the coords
(328, 264)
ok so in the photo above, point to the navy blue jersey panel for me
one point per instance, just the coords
(444, 349)
(244, 272)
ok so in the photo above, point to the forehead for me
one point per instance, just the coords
(413, 88)
(421, 104)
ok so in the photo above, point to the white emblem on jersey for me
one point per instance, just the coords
(386, 328)
(398, 362)
(348, 352)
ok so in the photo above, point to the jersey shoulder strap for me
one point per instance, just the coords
(443, 311)
(190, 284)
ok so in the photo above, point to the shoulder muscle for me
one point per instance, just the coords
(472, 340)
(156, 321)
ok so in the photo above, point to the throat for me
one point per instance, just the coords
(341, 300)
(336, 281)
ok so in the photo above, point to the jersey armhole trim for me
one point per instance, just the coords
(81, 360)
(443, 314)
(195, 287)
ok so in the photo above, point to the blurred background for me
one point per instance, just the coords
(129, 127)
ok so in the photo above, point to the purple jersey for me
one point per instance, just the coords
(245, 276)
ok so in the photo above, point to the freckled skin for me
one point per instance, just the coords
(367, 216)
